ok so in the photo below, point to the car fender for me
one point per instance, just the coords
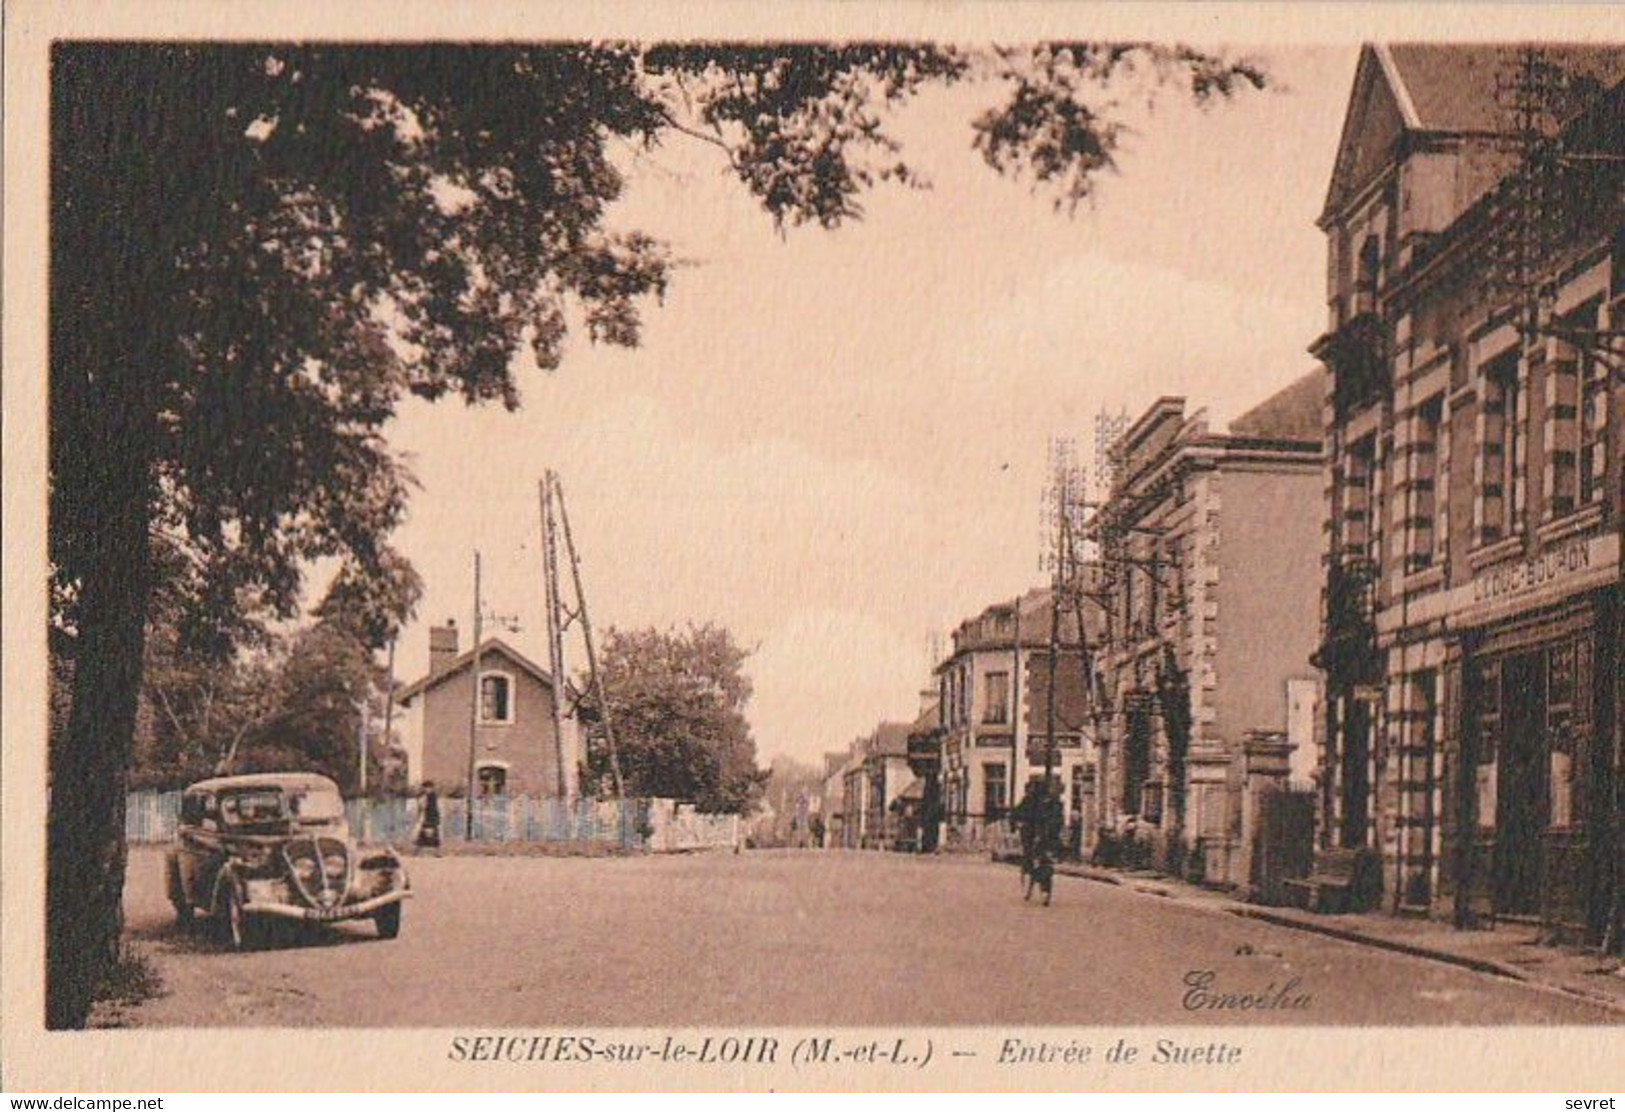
(385, 857)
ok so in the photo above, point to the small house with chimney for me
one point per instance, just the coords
(516, 747)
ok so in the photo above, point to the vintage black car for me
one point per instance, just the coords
(252, 849)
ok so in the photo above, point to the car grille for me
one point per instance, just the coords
(320, 868)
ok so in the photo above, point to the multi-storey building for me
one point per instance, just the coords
(1471, 601)
(1206, 577)
(515, 749)
(997, 731)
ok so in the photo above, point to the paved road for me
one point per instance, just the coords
(788, 938)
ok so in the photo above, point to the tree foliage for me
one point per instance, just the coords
(677, 700)
(318, 693)
(372, 604)
(258, 250)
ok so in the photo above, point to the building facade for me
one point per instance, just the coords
(834, 797)
(1471, 603)
(1206, 578)
(996, 729)
(516, 747)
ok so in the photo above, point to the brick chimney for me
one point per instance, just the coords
(442, 646)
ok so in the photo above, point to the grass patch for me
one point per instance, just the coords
(131, 982)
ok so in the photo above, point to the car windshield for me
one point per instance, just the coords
(315, 805)
(252, 808)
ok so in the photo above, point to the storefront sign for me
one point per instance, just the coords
(1513, 586)
(1524, 576)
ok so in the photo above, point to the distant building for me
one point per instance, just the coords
(996, 732)
(885, 768)
(1472, 604)
(921, 808)
(516, 747)
(834, 798)
(1208, 584)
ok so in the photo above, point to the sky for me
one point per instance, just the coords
(835, 443)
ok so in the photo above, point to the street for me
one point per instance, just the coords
(793, 938)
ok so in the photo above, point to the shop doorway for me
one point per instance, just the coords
(1355, 781)
(1521, 796)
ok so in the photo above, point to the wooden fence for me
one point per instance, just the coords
(658, 825)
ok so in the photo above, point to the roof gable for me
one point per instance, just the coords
(491, 647)
(1455, 89)
(1379, 113)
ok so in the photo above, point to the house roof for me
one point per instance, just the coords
(890, 739)
(928, 720)
(1292, 413)
(1455, 87)
(1447, 89)
(994, 629)
(309, 781)
(491, 646)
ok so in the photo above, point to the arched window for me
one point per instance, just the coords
(496, 697)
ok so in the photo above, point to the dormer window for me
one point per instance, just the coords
(496, 698)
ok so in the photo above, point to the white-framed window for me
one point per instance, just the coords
(491, 778)
(496, 698)
(996, 698)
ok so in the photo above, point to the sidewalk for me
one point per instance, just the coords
(1508, 950)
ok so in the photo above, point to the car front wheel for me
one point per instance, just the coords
(388, 920)
(177, 894)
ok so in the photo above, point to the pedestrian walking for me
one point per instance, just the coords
(1022, 816)
(428, 819)
(1041, 829)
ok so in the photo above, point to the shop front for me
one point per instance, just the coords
(1531, 801)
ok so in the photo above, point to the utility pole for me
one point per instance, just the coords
(1015, 712)
(389, 692)
(555, 624)
(1062, 500)
(361, 762)
(556, 528)
(473, 707)
(361, 746)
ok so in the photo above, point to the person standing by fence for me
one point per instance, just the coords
(429, 819)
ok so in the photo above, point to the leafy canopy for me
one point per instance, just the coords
(296, 236)
(677, 700)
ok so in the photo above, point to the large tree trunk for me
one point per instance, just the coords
(89, 772)
(109, 267)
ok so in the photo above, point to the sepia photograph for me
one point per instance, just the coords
(616, 548)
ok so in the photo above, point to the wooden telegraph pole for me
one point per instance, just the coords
(556, 533)
(473, 708)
